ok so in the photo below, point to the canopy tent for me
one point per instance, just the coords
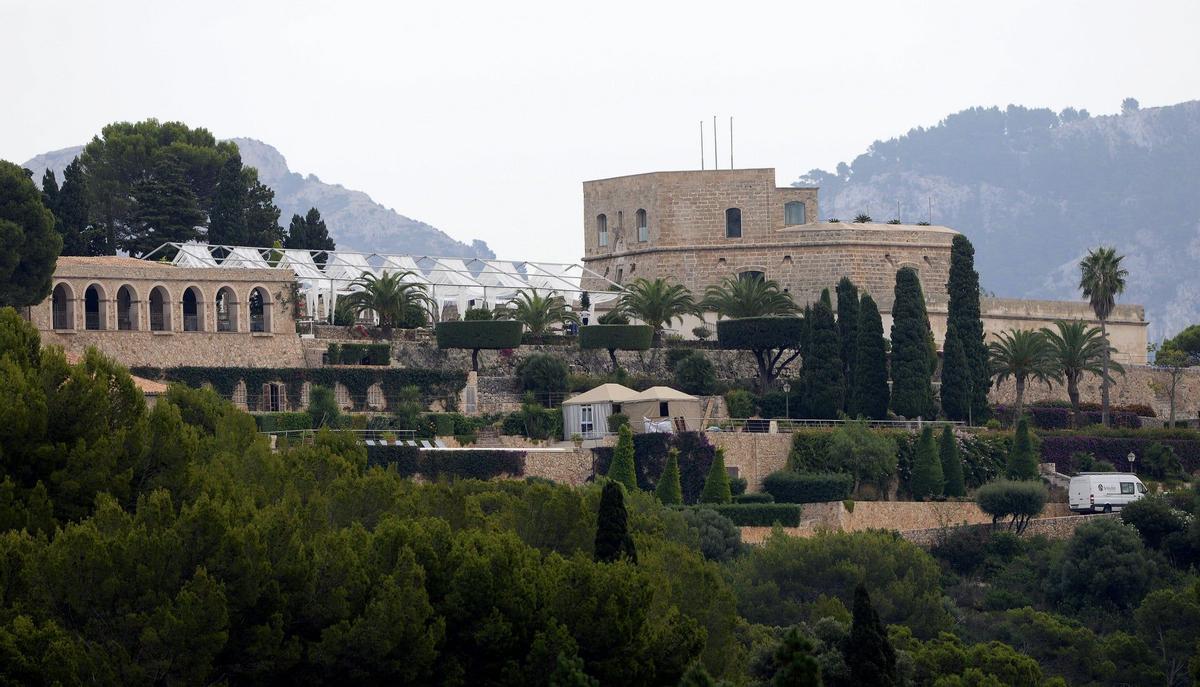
(451, 282)
(587, 414)
(193, 255)
(314, 285)
(663, 402)
(245, 257)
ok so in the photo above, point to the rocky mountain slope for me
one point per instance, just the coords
(1034, 190)
(355, 220)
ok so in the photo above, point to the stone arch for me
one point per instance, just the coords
(160, 309)
(258, 305)
(341, 396)
(238, 397)
(375, 398)
(95, 306)
(127, 308)
(193, 309)
(305, 394)
(63, 306)
(225, 306)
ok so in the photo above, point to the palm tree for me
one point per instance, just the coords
(1021, 354)
(748, 296)
(1076, 348)
(1102, 279)
(657, 303)
(537, 312)
(396, 298)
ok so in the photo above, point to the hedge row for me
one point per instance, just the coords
(751, 333)
(431, 465)
(625, 337)
(793, 487)
(432, 383)
(482, 334)
(359, 354)
(756, 497)
(695, 457)
(1055, 417)
(278, 422)
(1136, 408)
(758, 514)
(1060, 450)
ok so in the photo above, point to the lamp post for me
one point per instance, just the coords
(787, 398)
(1131, 458)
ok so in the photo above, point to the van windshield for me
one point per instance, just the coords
(1141, 488)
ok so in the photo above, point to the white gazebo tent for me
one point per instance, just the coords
(193, 254)
(313, 282)
(342, 269)
(450, 282)
(502, 279)
(242, 256)
(663, 403)
(587, 414)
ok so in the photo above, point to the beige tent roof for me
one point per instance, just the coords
(664, 393)
(606, 393)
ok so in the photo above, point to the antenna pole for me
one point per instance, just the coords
(897, 208)
(702, 145)
(731, 143)
(716, 165)
(930, 220)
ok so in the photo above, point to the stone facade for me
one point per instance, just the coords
(155, 314)
(753, 455)
(1140, 384)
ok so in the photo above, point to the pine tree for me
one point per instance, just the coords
(1022, 464)
(794, 663)
(927, 477)
(716, 484)
(262, 215)
(624, 468)
(868, 653)
(912, 391)
(824, 387)
(952, 469)
(956, 378)
(308, 232)
(50, 191)
(963, 314)
(29, 243)
(669, 490)
(613, 540)
(227, 218)
(871, 393)
(697, 676)
(847, 320)
(166, 210)
(72, 212)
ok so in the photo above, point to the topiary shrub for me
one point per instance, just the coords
(1022, 463)
(703, 333)
(716, 485)
(695, 456)
(1020, 501)
(737, 486)
(791, 487)
(695, 374)
(542, 373)
(756, 497)
(477, 335)
(616, 337)
(281, 422)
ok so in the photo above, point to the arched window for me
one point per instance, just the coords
(643, 228)
(193, 313)
(260, 310)
(794, 213)
(63, 307)
(733, 223)
(93, 308)
(751, 274)
(226, 306)
(601, 230)
(160, 310)
(126, 309)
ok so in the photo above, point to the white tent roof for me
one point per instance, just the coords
(400, 264)
(664, 393)
(245, 257)
(502, 274)
(301, 262)
(605, 393)
(194, 255)
(344, 268)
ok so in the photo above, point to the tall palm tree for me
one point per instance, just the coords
(1076, 348)
(748, 296)
(1102, 279)
(657, 303)
(537, 312)
(1023, 355)
(396, 298)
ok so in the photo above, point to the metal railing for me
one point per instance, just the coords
(370, 437)
(779, 425)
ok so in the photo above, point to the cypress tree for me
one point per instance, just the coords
(1022, 464)
(824, 387)
(227, 218)
(927, 477)
(50, 191)
(871, 393)
(963, 314)
(952, 469)
(613, 540)
(956, 378)
(72, 212)
(624, 468)
(669, 490)
(794, 663)
(847, 320)
(912, 391)
(716, 484)
(868, 653)
(826, 300)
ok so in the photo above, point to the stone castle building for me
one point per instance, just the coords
(699, 227)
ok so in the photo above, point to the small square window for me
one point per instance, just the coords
(1126, 487)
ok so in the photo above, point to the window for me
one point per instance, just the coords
(620, 274)
(663, 409)
(643, 229)
(1141, 488)
(259, 317)
(160, 310)
(93, 308)
(226, 310)
(1126, 487)
(586, 424)
(63, 307)
(601, 230)
(126, 309)
(733, 223)
(192, 321)
(793, 213)
(751, 274)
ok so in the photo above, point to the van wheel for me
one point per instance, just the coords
(1108, 508)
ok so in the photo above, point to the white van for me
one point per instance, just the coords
(1092, 492)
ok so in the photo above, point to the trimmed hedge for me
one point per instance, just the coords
(1060, 450)
(792, 487)
(479, 334)
(431, 465)
(1057, 417)
(695, 457)
(623, 337)
(359, 354)
(279, 422)
(758, 514)
(756, 497)
(758, 333)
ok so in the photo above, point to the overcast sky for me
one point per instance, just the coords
(483, 119)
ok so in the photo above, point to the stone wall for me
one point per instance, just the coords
(1052, 528)
(1139, 384)
(753, 455)
(568, 466)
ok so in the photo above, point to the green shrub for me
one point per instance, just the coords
(542, 373)
(758, 514)
(674, 355)
(478, 314)
(716, 485)
(702, 333)
(927, 479)
(1020, 501)
(791, 487)
(695, 374)
(719, 537)
(479, 334)
(669, 489)
(323, 409)
(758, 333)
(652, 450)
(279, 422)
(737, 485)
(359, 353)
(616, 421)
(432, 465)
(756, 497)
(739, 403)
(1022, 463)
(623, 468)
(1160, 462)
(443, 425)
(622, 337)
